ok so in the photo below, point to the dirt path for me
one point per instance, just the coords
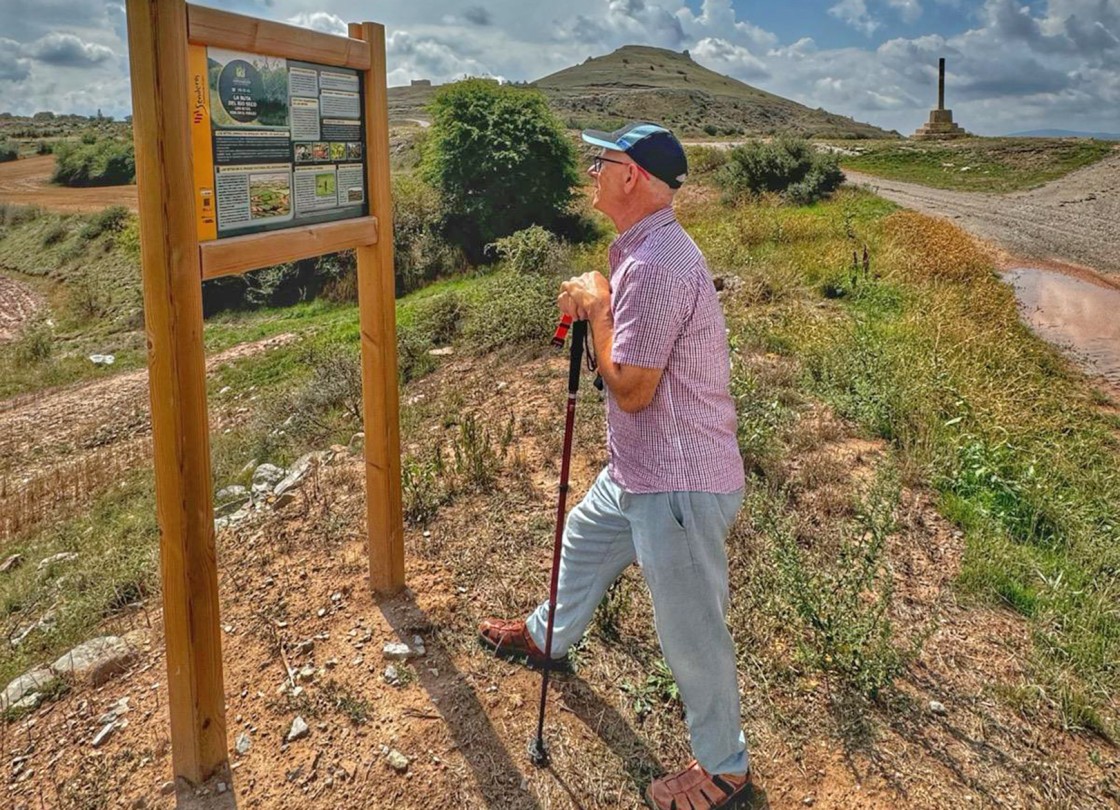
(27, 182)
(1071, 220)
(18, 303)
(59, 447)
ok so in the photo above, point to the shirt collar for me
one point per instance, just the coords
(625, 243)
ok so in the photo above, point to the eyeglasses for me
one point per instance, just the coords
(599, 160)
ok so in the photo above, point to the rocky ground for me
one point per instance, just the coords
(1069, 221)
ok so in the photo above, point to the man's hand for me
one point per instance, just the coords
(582, 297)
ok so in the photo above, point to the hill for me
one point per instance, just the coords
(1066, 133)
(640, 82)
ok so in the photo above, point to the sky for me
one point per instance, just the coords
(1011, 65)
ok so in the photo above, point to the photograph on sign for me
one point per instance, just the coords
(277, 142)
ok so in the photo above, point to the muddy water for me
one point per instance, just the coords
(1079, 316)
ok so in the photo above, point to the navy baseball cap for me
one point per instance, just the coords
(652, 147)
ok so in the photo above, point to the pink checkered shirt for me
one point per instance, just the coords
(667, 316)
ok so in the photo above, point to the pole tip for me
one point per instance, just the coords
(538, 752)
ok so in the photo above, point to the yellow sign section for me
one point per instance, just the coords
(201, 145)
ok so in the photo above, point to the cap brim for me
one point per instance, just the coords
(601, 139)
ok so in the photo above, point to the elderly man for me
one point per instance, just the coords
(674, 481)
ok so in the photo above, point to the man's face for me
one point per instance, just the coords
(611, 170)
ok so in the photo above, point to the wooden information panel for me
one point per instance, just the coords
(286, 158)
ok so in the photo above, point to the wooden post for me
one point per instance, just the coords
(157, 39)
(378, 321)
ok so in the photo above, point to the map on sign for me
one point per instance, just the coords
(277, 143)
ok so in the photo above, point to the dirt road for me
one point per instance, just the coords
(18, 305)
(59, 447)
(1071, 220)
(27, 182)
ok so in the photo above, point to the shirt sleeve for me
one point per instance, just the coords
(650, 307)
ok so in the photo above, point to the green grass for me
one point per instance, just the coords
(117, 563)
(975, 164)
(927, 351)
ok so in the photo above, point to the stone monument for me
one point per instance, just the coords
(940, 125)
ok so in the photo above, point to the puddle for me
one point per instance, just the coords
(1078, 316)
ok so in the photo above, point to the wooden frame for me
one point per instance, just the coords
(224, 29)
(174, 264)
(239, 254)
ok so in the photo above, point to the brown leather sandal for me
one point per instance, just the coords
(696, 789)
(511, 640)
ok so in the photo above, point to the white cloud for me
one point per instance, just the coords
(855, 14)
(909, 10)
(66, 50)
(733, 59)
(418, 57)
(322, 21)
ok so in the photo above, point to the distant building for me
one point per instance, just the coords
(421, 82)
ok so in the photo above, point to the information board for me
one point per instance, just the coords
(277, 142)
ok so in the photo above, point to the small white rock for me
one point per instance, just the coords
(937, 707)
(299, 729)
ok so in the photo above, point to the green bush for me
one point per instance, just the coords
(112, 220)
(8, 150)
(501, 161)
(44, 147)
(513, 309)
(703, 160)
(420, 253)
(532, 250)
(413, 360)
(439, 317)
(105, 162)
(35, 345)
(787, 166)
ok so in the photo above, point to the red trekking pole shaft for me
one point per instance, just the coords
(537, 749)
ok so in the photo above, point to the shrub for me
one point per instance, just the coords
(501, 161)
(517, 309)
(17, 214)
(704, 160)
(8, 151)
(35, 345)
(413, 360)
(420, 254)
(44, 147)
(112, 220)
(439, 317)
(100, 163)
(532, 250)
(787, 166)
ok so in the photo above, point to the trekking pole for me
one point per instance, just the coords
(538, 751)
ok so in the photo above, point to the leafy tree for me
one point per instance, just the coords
(501, 161)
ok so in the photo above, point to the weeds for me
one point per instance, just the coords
(843, 597)
(657, 692)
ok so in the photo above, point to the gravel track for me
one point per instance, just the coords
(1072, 220)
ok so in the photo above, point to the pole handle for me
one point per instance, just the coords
(579, 337)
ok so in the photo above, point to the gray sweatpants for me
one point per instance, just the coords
(678, 540)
